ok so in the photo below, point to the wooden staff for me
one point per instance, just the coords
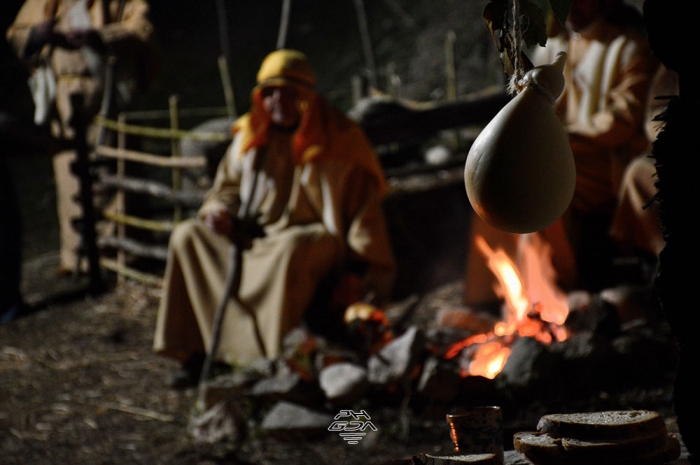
(242, 235)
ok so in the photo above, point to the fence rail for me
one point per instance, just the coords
(134, 125)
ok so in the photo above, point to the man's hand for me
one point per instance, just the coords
(44, 30)
(43, 33)
(85, 37)
(219, 222)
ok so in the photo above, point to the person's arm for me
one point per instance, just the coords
(31, 30)
(132, 40)
(371, 255)
(222, 199)
(624, 112)
(130, 32)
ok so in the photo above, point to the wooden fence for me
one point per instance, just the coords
(129, 125)
(388, 122)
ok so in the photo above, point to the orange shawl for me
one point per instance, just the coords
(324, 133)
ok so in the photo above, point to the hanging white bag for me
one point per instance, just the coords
(42, 84)
(520, 173)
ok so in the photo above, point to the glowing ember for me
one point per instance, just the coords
(534, 306)
(489, 360)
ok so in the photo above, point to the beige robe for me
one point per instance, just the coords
(80, 72)
(317, 218)
(608, 74)
(636, 223)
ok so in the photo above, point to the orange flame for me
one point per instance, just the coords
(534, 306)
(489, 359)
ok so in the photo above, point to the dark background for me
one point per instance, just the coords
(408, 35)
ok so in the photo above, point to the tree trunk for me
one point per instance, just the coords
(675, 153)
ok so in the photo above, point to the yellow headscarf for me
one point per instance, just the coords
(323, 131)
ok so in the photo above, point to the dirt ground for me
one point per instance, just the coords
(80, 385)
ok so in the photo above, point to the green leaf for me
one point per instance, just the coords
(495, 16)
(541, 4)
(561, 9)
(534, 16)
(534, 22)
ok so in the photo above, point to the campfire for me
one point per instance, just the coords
(544, 344)
(533, 306)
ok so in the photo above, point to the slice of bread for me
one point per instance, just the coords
(539, 448)
(614, 424)
(635, 445)
(669, 452)
(546, 449)
(460, 459)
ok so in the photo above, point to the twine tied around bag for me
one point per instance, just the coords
(516, 84)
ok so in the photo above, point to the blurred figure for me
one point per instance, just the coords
(608, 74)
(300, 191)
(635, 224)
(75, 38)
(10, 246)
(19, 138)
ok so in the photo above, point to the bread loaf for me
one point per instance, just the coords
(615, 424)
(634, 437)
(545, 449)
(539, 448)
(634, 445)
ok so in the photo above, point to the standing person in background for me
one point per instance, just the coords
(10, 245)
(75, 38)
(314, 187)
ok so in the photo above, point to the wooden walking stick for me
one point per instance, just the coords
(244, 231)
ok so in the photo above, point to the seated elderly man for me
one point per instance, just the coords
(310, 183)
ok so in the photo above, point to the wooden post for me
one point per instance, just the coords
(121, 198)
(225, 59)
(393, 81)
(359, 88)
(450, 66)
(366, 43)
(175, 152)
(451, 71)
(228, 87)
(284, 24)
